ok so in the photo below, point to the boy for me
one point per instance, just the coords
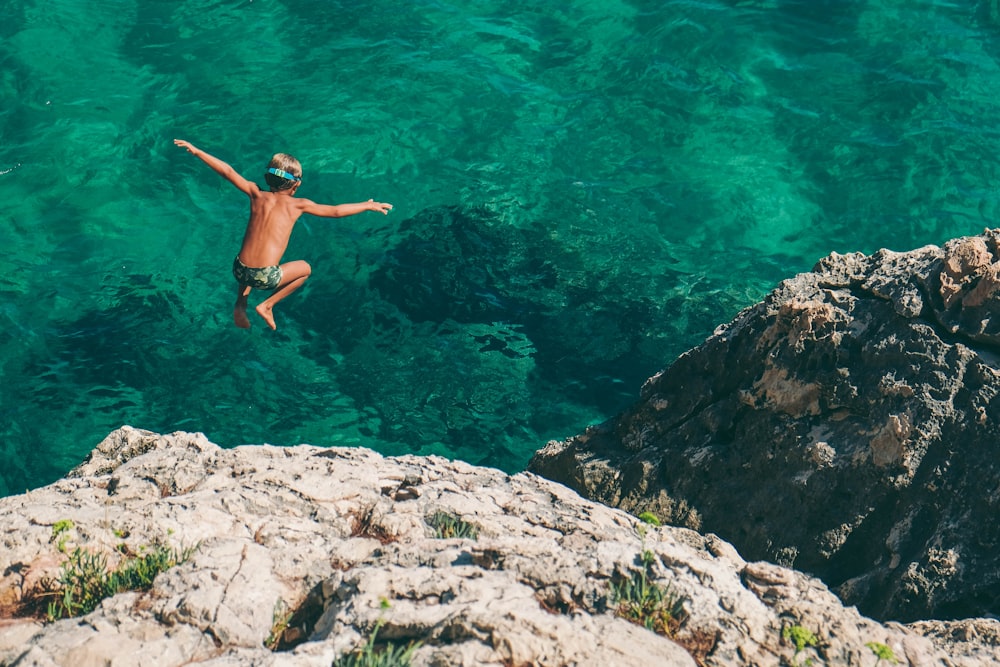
(272, 216)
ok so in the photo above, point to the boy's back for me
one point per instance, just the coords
(272, 217)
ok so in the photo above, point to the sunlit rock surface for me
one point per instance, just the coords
(342, 537)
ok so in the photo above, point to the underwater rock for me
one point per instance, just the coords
(302, 555)
(587, 332)
(846, 426)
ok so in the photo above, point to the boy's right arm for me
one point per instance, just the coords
(248, 188)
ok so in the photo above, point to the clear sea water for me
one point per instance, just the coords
(583, 190)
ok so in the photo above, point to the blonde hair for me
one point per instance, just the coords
(284, 162)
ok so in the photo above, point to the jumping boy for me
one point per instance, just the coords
(272, 216)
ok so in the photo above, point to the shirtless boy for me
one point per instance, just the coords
(272, 216)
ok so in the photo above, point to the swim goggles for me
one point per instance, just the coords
(281, 173)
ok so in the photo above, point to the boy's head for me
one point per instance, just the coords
(283, 172)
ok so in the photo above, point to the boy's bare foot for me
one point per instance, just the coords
(265, 311)
(240, 318)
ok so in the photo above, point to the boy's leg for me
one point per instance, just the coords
(293, 274)
(240, 309)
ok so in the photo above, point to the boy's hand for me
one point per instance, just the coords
(186, 145)
(379, 207)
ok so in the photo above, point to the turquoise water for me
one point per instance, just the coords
(582, 192)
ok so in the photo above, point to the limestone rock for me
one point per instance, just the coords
(342, 537)
(846, 426)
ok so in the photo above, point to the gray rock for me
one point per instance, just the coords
(846, 426)
(342, 536)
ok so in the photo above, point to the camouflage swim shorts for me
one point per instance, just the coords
(266, 278)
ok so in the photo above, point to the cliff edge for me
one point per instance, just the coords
(302, 555)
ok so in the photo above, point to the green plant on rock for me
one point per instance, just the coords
(650, 518)
(61, 526)
(802, 638)
(60, 530)
(85, 579)
(81, 585)
(644, 602)
(371, 655)
(279, 623)
(882, 652)
(447, 526)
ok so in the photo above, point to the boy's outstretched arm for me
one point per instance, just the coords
(222, 168)
(342, 210)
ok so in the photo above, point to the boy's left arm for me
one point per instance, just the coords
(343, 210)
(248, 188)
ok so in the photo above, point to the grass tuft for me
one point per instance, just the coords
(882, 652)
(447, 526)
(370, 655)
(802, 638)
(650, 518)
(85, 579)
(644, 602)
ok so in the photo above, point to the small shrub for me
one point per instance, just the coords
(447, 526)
(882, 652)
(61, 526)
(279, 624)
(85, 579)
(291, 625)
(646, 603)
(81, 585)
(650, 518)
(801, 637)
(59, 533)
(368, 525)
(390, 655)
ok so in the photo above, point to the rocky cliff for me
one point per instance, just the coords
(300, 556)
(846, 426)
